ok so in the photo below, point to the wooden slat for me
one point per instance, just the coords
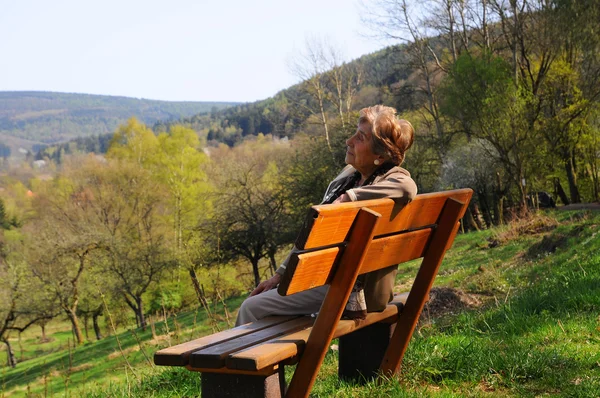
(178, 355)
(289, 346)
(309, 270)
(395, 249)
(266, 371)
(329, 224)
(215, 356)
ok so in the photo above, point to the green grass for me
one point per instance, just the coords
(52, 368)
(537, 334)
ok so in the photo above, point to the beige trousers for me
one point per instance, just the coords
(271, 303)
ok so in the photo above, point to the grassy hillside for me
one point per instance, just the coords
(515, 313)
(31, 117)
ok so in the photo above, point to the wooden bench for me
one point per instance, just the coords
(337, 243)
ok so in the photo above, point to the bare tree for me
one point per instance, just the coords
(404, 21)
(252, 218)
(328, 85)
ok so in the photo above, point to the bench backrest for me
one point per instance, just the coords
(360, 237)
(401, 234)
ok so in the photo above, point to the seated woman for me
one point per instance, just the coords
(374, 154)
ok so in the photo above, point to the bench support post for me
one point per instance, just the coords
(216, 385)
(407, 322)
(361, 352)
(333, 306)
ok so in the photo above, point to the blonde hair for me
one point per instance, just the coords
(391, 136)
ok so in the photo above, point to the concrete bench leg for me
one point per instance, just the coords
(361, 352)
(216, 385)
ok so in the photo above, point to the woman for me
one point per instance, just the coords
(374, 154)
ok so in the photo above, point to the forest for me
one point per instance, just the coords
(504, 97)
(35, 119)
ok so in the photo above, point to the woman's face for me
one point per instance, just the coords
(359, 152)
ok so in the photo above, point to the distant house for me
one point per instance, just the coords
(40, 164)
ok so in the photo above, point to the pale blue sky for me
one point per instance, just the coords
(177, 50)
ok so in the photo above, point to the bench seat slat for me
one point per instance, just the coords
(289, 346)
(216, 355)
(178, 355)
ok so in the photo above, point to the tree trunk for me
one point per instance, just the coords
(560, 192)
(197, 288)
(43, 326)
(95, 317)
(75, 324)
(86, 319)
(499, 201)
(255, 272)
(572, 178)
(273, 262)
(469, 221)
(10, 355)
(140, 311)
(483, 210)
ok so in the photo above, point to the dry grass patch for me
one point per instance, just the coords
(116, 354)
(82, 367)
(533, 225)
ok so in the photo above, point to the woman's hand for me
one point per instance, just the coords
(342, 198)
(266, 285)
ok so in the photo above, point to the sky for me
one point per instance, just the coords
(177, 50)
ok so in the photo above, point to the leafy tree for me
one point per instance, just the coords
(135, 142)
(4, 222)
(481, 90)
(474, 165)
(23, 300)
(125, 210)
(61, 241)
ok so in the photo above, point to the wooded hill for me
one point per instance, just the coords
(371, 79)
(31, 119)
(374, 78)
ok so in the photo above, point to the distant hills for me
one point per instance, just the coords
(33, 119)
(69, 123)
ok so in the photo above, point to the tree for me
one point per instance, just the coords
(23, 300)
(179, 167)
(251, 211)
(125, 209)
(492, 109)
(175, 162)
(61, 240)
(401, 20)
(133, 141)
(471, 165)
(327, 82)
